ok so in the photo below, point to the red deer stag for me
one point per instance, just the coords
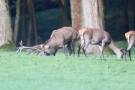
(97, 37)
(60, 38)
(130, 37)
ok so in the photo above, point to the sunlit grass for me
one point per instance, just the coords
(31, 72)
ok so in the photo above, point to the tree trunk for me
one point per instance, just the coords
(24, 21)
(101, 14)
(16, 29)
(88, 14)
(29, 37)
(133, 14)
(32, 24)
(64, 6)
(126, 21)
(5, 23)
(76, 14)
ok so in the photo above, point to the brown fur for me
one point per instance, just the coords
(61, 38)
(81, 31)
(98, 37)
(130, 37)
(128, 34)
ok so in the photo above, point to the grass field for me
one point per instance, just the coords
(30, 72)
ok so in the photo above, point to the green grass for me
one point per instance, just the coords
(30, 72)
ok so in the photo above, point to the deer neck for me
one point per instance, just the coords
(114, 47)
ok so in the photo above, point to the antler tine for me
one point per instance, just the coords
(40, 53)
(29, 52)
(20, 48)
(21, 43)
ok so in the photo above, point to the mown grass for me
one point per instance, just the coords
(30, 72)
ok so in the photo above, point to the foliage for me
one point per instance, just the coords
(107, 50)
(46, 23)
(50, 19)
(10, 46)
(114, 18)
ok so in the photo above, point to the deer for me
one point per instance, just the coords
(130, 37)
(97, 37)
(64, 38)
(80, 34)
(128, 34)
(61, 38)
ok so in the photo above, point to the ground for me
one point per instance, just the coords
(31, 72)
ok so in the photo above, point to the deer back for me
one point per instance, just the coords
(127, 35)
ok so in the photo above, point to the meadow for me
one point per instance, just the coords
(30, 72)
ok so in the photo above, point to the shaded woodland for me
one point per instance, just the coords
(34, 20)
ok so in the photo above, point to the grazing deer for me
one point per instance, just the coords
(61, 38)
(130, 37)
(97, 37)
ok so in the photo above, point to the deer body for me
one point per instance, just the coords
(80, 34)
(61, 38)
(98, 37)
(130, 37)
(128, 34)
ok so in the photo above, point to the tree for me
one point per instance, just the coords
(65, 11)
(88, 14)
(16, 29)
(31, 37)
(5, 23)
(125, 13)
(23, 31)
(133, 14)
(32, 23)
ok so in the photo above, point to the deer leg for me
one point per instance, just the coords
(126, 54)
(73, 46)
(81, 46)
(64, 50)
(128, 50)
(85, 43)
(84, 49)
(69, 49)
(130, 55)
(102, 47)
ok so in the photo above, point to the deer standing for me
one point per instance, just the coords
(130, 37)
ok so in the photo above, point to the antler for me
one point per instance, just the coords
(35, 49)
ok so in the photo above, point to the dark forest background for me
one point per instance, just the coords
(119, 16)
